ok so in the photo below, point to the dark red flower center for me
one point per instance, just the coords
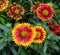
(52, 27)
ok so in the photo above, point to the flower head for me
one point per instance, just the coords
(23, 34)
(34, 7)
(45, 12)
(3, 4)
(37, 4)
(16, 11)
(40, 34)
(54, 27)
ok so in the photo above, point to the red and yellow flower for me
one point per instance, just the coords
(23, 34)
(40, 34)
(45, 12)
(54, 27)
(34, 7)
(16, 11)
(3, 4)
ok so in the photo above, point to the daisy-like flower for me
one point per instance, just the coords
(37, 4)
(45, 12)
(3, 4)
(23, 34)
(54, 27)
(34, 7)
(16, 11)
(40, 34)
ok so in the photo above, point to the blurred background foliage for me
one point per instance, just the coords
(51, 46)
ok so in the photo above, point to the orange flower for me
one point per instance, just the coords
(3, 4)
(40, 34)
(45, 12)
(23, 34)
(16, 11)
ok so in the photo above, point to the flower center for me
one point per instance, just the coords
(52, 27)
(45, 12)
(1, 2)
(38, 34)
(24, 34)
(16, 11)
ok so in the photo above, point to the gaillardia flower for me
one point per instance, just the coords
(54, 27)
(40, 34)
(16, 11)
(45, 12)
(3, 4)
(23, 34)
(34, 7)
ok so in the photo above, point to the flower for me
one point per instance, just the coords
(40, 34)
(45, 12)
(16, 11)
(37, 4)
(3, 4)
(34, 7)
(54, 27)
(23, 34)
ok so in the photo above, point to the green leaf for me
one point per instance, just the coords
(13, 50)
(56, 38)
(1, 40)
(22, 51)
(19, 50)
(31, 2)
(4, 28)
(2, 20)
(33, 21)
(37, 48)
(3, 16)
(4, 53)
(0, 34)
(9, 39)
(2, 45)
(55, 47)
(45, 47)
(10, 1)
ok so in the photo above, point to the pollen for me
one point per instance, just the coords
(24, 34)
(16, 11)
(38, 34)
(45, 12)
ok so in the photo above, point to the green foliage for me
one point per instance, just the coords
(51, 46)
